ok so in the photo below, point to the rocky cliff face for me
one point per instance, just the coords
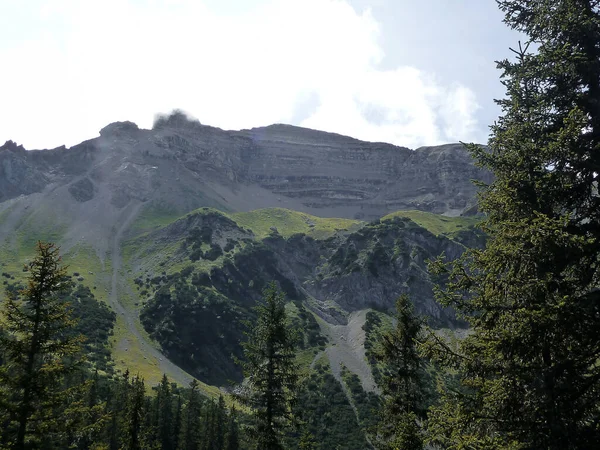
(185, 165)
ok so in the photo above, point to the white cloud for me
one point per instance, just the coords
(95, 62)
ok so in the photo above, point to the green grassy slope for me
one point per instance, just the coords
(436, 223)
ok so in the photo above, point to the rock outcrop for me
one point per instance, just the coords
(190, 165)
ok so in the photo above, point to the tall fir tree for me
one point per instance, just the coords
(233, 432)
(134, 436)
(117, 408)
(402, 382)
(177, 422)
(163, 406)
(190, 435)
(529, 371)
(220, 424)
(270, 369)
(38, 352)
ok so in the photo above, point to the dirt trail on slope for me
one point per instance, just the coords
(131, 318)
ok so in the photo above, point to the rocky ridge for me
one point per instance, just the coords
(181, 165)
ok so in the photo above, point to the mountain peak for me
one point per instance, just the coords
(119, 128)
(11, 145)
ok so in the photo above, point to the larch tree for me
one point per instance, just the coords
(529, 371)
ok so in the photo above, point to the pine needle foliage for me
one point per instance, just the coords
(529, 371)
(38, 351)
(270, 369)
(402, 382)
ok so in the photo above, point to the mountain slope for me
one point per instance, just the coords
(181, 165)
(121, 206)
(198, 277)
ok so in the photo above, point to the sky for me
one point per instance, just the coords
(408, 72)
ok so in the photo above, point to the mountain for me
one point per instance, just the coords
(198, 278)
(181, 165)
(179, 227)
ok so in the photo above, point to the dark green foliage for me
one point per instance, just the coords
(367, 404)
(95, 321)
(270, 370)
(372, 336)
(213, 253)
(529, 371)
(308, 327)
(198, 329)
(326, 413)
(402, 381)
(138, 432)
(39, 352)
(190, 437)
(196, 317)
(233, 432)
(164, 413)
(230, 245)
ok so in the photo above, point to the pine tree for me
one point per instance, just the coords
(164, 414)
(135, 415)
(233, 433)
(177, 423)
(220, 425)
(190, 437)
(117, 408)
(402, 382)
(307, 440)
(38, 351)
(270, 369)
(529, 371)
(208, 423)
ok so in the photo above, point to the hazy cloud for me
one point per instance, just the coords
(313, 62)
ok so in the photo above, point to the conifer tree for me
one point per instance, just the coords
(208, 435)
(38, 351)
(270, 369)
(135, 415)
(402, 382)
(529, 370)
(164, 414)
(233, 438)
(117, 407)
(220, 427)
(190, 437)
(307, 440)
(177, 422)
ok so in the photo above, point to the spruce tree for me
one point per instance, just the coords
(117, 408)
(164, 413)
(402, 382)
(220, 424)
(135, 415)
(190, 437)
(38, 352)
(233, 433)
(270, 370)
(529, 370)
(177, 422)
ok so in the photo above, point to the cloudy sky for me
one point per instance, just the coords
(409, 72)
